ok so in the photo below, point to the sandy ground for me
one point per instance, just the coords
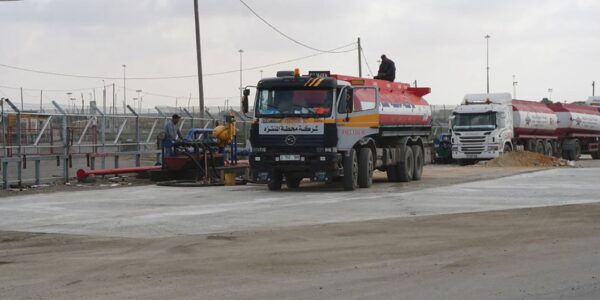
(542, 253)
(531, 253)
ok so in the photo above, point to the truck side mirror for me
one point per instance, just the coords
(246, 92)
(245, 103)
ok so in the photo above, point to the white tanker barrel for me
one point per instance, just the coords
(533, 118)
(577, 119)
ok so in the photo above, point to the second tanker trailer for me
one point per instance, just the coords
(487, 125)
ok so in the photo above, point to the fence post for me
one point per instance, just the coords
(65, 138)
(137, 135)
(37, 172)
(102, 137)
(19, 150)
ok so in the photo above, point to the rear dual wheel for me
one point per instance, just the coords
(405, 168)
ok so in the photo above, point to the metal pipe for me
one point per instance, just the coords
(83, 174)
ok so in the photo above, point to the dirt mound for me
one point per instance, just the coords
(526, 159)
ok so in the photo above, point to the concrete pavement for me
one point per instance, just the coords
(153, 211)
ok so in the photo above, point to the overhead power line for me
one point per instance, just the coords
(177, 76)
(362, 51)
(285, 35)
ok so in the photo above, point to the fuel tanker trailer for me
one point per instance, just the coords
(487, 125)
(328, 127)
(578, 130)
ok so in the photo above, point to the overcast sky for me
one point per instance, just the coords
(439, 43)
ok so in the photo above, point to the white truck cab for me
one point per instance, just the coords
(482, 127)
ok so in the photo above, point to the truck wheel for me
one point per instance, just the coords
(577, 150)
(507, 148)
(539, 147)
(418, 162)
(530, 145)
(392, 173)
(596, 155)
(365, 168)
(351, 171)
(548, 149)
(406, 167)
(568, 154)
(292, 182)
(275, 182)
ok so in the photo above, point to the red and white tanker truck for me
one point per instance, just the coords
(487, 125)
(325, 127)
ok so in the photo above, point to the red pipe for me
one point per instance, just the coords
(83, 174)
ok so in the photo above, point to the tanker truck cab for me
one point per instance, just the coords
(482, 127)
(326, 127)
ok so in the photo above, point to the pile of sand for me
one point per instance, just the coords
(526, 159)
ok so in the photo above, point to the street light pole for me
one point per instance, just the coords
(241, 51)
(487, 59)
(124, 90)
(139, 100)
(550, 94)
(515, 86)
(69, 97)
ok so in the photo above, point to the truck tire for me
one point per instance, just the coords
(530, 145)
(392, 173)
(539, 147)
(275, 182)
(418, 162)
(596, 155)
(292, 181)
(406, 166)
(548, 149)
(351, 171)
(507, 148)
(365, 167)
(577, 150)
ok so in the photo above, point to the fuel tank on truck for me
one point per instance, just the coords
(575, 119)
(533, 118)
(400, 104)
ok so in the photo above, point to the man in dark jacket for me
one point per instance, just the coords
(387, 69)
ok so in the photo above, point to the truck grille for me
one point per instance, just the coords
(301, 140)
(472, 144)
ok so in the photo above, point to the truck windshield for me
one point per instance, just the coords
(294, 102)
(476, 121)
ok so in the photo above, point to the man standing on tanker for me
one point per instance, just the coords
(387, 69)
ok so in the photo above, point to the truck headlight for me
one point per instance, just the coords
(493, 148)
(454, 148)
(257, 158)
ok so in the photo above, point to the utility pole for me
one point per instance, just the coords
(41, 100)
(487, 59)
(114, 104)
(593, 88)
(359, 59)
(199, 62)
(21, 99)
(515, 87)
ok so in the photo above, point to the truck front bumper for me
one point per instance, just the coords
(319, 166)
